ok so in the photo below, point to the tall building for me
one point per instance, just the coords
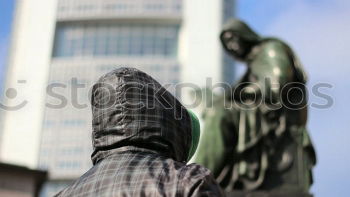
(23, 105)
(58, 53)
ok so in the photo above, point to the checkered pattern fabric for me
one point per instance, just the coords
(141, 138)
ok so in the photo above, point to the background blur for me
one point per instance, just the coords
(318, 31)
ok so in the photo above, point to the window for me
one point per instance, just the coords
(111, 39)
(73, 123)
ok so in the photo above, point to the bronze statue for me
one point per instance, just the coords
(260, 142)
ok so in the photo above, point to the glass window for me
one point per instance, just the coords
(110, 39)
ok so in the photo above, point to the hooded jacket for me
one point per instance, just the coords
(141, 139)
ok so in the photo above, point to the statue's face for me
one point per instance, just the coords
(235, 45)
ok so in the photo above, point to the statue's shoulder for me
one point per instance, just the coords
(274, 45)
(283, 52)
(269, 54)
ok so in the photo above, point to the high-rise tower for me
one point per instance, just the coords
(60, 47)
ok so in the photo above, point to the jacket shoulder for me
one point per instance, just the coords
(194, 171)
(197, 180)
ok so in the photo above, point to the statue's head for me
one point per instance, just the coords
(238, 38)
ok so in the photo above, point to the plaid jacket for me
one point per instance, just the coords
(141, 139)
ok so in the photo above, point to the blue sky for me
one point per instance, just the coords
(319, 32)
(6, 13)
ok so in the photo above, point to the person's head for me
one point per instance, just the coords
(238, 38)
(133, 111)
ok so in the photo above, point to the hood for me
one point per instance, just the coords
(238, 39)
(242, 30)
(132, 111)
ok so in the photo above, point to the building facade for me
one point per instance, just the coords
(173, 40)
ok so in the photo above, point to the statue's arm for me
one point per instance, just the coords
(212, 151)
